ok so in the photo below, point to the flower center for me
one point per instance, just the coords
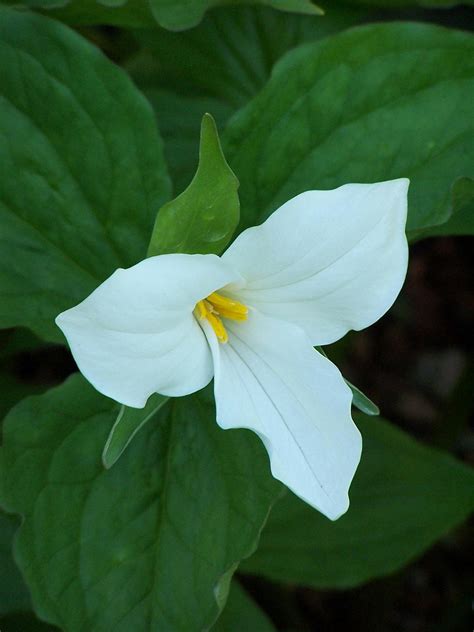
(215, 307)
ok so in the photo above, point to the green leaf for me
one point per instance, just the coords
(242, 613)
(361, 401)
(129, 421)
(217, 67)
(462, 220)
(230, 55)
(132, 14)
(13, 389)
(404, 497)
(15, 601)
(14, 595)
(182, 14)
(203, 218)
(142, 546)
(82, 171)
(373, 103)
(170, 14)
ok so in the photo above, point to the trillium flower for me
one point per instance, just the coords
(322, 264)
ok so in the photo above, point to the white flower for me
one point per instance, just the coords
(322, 264)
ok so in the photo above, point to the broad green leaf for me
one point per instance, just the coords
(14, 595)
(404, 497)
(371, 104)
(144, 545)
(230, 55)
(242, 614)
(217, 67)
(203, 218)
(15, 601)
(12, 389)
(462, 220)
(129, 421)
(82, 171)
(170, 14)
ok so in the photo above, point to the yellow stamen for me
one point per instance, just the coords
(202, 309)
(215, 307)
(218, 326)
(222, 302)
(227, 313)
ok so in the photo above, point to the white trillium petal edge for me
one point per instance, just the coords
(328, 261)
(269, 379)
(136, 334)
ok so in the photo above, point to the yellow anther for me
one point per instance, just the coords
(223, 303)
(227, 313)
(218, 326)
(202, 310)
(215, 307)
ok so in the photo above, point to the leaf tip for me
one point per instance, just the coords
(107, 459)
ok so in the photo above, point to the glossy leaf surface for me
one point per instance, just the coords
(149, 544)
(83, 174)
(203, 218)
(371, 104)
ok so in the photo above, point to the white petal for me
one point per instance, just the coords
(136, 334)
(268, 378)
(328, 261)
